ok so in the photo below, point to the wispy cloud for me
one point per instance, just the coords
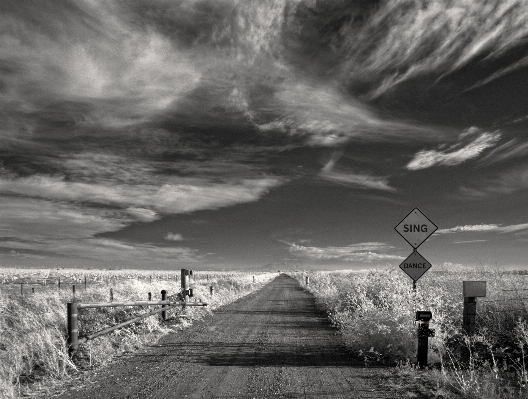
(509, 150)
(401, 41)
(454, 155)
(175, 195)
(362, 252)
(485, 228)
(505, 183)
(359, 180)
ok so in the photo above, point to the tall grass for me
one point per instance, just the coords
(375, 312)
(33, 349)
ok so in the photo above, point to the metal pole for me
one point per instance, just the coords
(164, 298)
(423, 343)
(73, 327)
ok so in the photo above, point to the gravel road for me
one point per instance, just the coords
(273, 343)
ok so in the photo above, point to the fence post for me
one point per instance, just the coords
(307, 280)
(185, 283)
(111, 295)
(73, 289)
(85, 283)
(470, 290)
(253, 279)
(164, 298)
(73, 327)
(22, 289)
(212, 290)
(59, 283)
(150, 296)
(32, 290)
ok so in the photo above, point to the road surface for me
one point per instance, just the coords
(273, 343)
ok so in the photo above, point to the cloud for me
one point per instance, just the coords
(362, 252)
(360, 180)
(40, 228)
(485, 228)
(176, 195)
(402, 40)
(506, 183)
(453, 156)
(174, 237)
(509, 150)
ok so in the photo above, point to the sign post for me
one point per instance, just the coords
(415, 228)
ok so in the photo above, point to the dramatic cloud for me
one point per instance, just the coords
(362, 252)
(454, 155)
(402, 40)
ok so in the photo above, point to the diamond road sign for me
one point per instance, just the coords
(416, 228)
(415, 266)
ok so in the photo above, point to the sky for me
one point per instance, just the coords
(262, 134)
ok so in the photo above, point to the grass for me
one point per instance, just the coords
(33, 349)
(375, 312)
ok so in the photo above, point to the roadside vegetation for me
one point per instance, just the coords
(33, 327)
(375, 312)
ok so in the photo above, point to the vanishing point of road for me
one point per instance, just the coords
(273, 343)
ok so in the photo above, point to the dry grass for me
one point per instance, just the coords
(375, 313)
(33, 327)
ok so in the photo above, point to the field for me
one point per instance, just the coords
(375, 311)
(33, 325)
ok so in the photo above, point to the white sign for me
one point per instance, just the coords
(415, 266)
(415, 228)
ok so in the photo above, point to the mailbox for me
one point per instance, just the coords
(474, 288)
(424, 316)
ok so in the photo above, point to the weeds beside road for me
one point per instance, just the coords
(375, 310)
(33, 327)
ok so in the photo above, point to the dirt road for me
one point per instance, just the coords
(273, 343)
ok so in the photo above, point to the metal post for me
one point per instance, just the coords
(307, 280)
(73, 328)
(424, 332)
(423, 344)
(164, 298)
(212, 290)
(32, 290)
(414, 285)
(73, 289)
